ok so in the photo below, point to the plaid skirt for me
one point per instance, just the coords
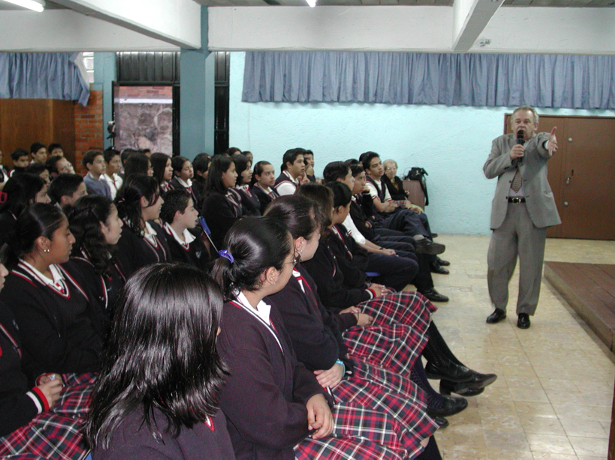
(376, 405)
(55, 434)
(397, 336)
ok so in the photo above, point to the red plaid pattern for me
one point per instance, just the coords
(406, 307)
(55, 434)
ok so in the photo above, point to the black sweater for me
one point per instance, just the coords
(135, 252)
(220, 214)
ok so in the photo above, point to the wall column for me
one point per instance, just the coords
(104, 75)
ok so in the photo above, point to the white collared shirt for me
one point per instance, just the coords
(57, 275)
(187, 184)
(188, 237)
(262, 309)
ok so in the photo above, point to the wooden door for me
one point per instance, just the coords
(582, 176)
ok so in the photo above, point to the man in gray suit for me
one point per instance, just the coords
(522, 210)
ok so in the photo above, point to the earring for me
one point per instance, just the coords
(46, 251)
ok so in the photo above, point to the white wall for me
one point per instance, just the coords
(451, 143)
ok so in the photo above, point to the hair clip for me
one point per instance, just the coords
(121, 200)
(227, 255)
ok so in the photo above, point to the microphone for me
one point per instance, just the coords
(520, 141)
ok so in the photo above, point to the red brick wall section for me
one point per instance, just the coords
(146, 92)
(89, 130)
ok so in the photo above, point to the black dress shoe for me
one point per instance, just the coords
(450, 406)
(426, 246)
(441, 421)
(524, 321)
(451, 371)
(444, 263)
(497, 316)
(447, 387)
(437, 268)
(471, 387)
(434, 295)
(434, 235)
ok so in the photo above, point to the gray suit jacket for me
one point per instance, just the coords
(538, 195)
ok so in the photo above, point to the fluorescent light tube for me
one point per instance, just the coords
(30, 4)
(312, 3)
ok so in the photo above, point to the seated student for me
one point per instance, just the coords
(38, 153)
(142, 242)
(222, 205)
(96, 226)
(180, 216)
(4, 173)
(248, 155)
(292, 171)
(183, 172)
(273, 402)
(94, 162)
(123, 157)
(55, 149)
(137, 164)
(390, 214)
(360, 366)
(231, 151)
(66, 189)
(61, 328)
(19, 401)
(394, 184)
(308, 158)
(157, 394)
(250, 204)
(112, 172)
(19, 192)
(163, 170)
(57, 164)
(39, 169)
(262, 184)
(200, 164)
(20, 159)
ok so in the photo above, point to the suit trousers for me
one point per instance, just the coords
(517, 236)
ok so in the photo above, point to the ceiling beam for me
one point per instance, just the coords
(470, 17)
(177, 22)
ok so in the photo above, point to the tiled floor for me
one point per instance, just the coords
(553, 396)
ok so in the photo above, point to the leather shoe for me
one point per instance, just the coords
(444, 263)
(434, 295)
(497, 316)
(434, 235)
(437, 268)
(524, 321)
(441, 421)
(426, 246)
(450, 406)
(470, 387)
(451, 371)
(447, 387)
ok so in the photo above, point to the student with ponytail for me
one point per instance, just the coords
(273, 403)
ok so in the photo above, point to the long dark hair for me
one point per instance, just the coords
(323, 197)
(39, 219)
(159, 164)
(241, 164)
(136, 164)
(219, 165)
(255, 243)
(297, 213)
(20, 191)
(128, 199)
(161, 355)
(84, 220)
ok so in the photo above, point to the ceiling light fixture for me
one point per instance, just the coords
(33, 5)
(312, 3)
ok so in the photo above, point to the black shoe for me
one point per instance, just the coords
(450, 406)
(497, 316)
(452, 371)
(444, 263)
(447, 387)
(437, 268)
(434, 235)
(441, 421)
(524, 321)
(434, 295)
(471, 387)
(426, 246)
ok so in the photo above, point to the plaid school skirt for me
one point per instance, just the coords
(397, 336)
(55, 434)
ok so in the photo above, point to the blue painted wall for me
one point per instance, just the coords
(105, 73)
(451, 143)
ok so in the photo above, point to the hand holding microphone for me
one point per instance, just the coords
(517, 152)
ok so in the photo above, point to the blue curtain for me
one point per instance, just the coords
(42, 76)
(559, 81)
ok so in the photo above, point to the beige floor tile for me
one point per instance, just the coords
(553, 396)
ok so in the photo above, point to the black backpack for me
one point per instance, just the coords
(419, 174)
